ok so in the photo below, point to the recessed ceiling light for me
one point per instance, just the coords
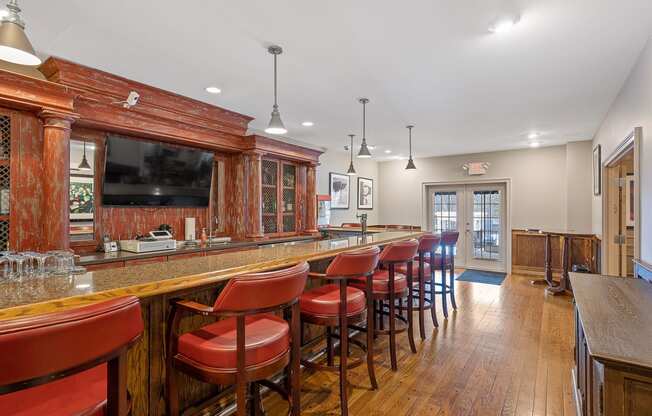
(535, 144)
(533, 135)
(307, 124)
(388, 151)
(503, 24)
(213, 90)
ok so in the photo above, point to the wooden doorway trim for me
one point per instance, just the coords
(631, 142)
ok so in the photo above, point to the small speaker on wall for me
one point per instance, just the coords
(190, 233)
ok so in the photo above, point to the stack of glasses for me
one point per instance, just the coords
(33, 264)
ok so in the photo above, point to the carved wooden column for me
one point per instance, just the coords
(56, 182)
(253, 178)
(311, 198)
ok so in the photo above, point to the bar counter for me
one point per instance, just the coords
(33, 296)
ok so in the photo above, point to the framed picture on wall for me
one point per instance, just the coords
(339, 186)
(365, 193)
(597, 171)
(81, 197)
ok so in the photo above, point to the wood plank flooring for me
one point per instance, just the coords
(507, 350)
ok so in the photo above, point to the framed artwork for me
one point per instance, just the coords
(597, 171)
(339, 186)
(81, 197)
(365, 193)
(629, 201)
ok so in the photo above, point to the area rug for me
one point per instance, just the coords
(480, 276)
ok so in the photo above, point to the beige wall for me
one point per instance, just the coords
(539, 185)
(338, 162)
(631, 108)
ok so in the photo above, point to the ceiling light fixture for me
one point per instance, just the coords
(84, 165)
(388, 151)
(535, 144)
(504, 24)
(213, 90)
(275, 123)
(364, 152)
(14, 45)
(410, 164)
(533, 135)
(307, 124)
(351, 171)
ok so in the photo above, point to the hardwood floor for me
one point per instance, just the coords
(506, 351)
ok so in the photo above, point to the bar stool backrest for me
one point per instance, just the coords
(41, 349)
(354, 263)
(428, 243)
(401, 251)
(449, 238)
(260, 291)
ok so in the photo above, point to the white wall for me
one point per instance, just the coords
(539, 191)
(631, 108)
(338, 162)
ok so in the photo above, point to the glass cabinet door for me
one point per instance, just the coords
(289, 198)
(270, 196)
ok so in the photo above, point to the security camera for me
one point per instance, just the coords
(132, 100)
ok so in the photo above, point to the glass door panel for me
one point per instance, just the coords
(270, 196)
(445, 207)
(485, 227)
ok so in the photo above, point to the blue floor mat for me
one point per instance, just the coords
(479, 276)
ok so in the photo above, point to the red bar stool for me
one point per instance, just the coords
(69, 363)
(249, 345)
(424, 268)
(340, 305)
(390, 286)
(446, 261)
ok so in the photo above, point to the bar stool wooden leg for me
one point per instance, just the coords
(295, 361)
(392, 319)
(381, 315)
(444, 289)
(241, 383)
(410, 311)
(371, 312)
(422, 299)
(344, 350)
(452, 280)
(329, 345)
(433, 290)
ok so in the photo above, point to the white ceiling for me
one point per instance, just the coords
(431, 63)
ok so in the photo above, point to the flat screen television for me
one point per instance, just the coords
(144, 173)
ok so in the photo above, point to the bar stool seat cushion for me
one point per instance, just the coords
(381, 282)
(82, 393)
(415, 269)
(325, 301)
(266, 337)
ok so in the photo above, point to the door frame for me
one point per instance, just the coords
(632, 141)
(508, 208)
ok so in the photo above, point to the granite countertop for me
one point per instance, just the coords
(41, 295)
(100, 258)
(615, 314)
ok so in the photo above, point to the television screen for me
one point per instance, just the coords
(143, 173)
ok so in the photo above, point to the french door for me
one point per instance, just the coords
(478, 213)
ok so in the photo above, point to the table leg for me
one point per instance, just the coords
(564, 287)
(547, 268)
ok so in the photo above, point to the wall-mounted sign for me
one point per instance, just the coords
(476, 168)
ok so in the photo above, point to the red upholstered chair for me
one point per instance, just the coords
(388, 286)
(424, 269)
(340, 305)
(249, 345)
(69, 363)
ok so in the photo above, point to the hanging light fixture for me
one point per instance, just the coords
(364, 152)
(275, 124)
(351, 171)
(84, 165)
(410, 164)
(14, 45)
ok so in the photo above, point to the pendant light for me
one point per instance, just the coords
(410, 165)
(275, 124)
(14, 45)
(84, 165)
(351, 171)
(364, 152)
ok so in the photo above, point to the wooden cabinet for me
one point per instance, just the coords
(613, 348)
(279, 197)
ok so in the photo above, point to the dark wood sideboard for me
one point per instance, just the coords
(613, 349)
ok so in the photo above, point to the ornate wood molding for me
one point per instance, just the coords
(284, 150)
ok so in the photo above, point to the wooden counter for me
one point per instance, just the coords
(197, 278)
(613, 351)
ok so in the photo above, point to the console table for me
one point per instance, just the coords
(613, 345)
